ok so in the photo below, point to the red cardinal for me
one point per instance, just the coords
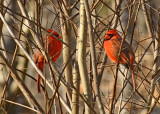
(112, 46)
(54, 49)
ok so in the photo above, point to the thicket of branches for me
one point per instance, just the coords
(83, 79)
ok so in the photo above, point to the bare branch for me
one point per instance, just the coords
(76, 84)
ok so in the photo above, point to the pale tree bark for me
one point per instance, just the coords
(82, 58)
(76, 84)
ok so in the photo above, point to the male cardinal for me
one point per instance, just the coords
(112, 44)
(54, 47)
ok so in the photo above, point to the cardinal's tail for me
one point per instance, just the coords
(40, 66)
(39, 83)
(134, 85)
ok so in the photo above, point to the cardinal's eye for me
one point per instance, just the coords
(111, 35)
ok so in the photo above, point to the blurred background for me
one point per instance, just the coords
(28, 20)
